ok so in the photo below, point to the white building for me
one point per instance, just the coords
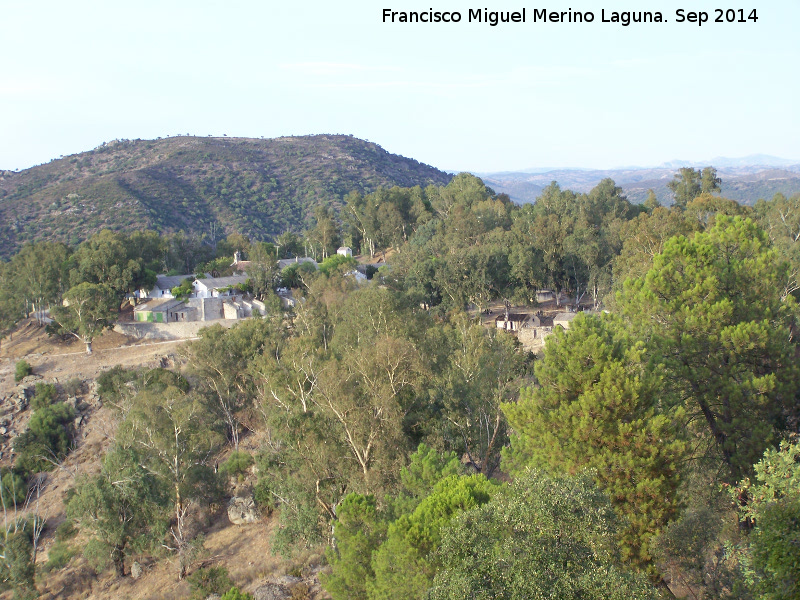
(163, 286)
(214, 287)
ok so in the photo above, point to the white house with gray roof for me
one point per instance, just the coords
(163, 286)
(213, 287)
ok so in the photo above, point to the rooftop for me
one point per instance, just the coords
(167, 282)
(215, 283)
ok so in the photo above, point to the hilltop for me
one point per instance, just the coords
(212, 186)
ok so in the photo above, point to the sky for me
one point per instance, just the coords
(463, 96)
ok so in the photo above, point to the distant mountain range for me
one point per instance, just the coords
(744, 179)
(253, 186)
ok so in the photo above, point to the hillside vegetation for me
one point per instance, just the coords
(210, 186)
(394, 443)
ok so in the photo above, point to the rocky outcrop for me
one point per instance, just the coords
(272, 591)
(242, 510)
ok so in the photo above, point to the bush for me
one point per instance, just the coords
(22, 370)
(301, 592)
(117, 382)
(184, 290)
(237, 464)
(111, 383)
(14, 489)
(235, 594)
(44, 395)
(46, 438)
(73, 386)
(209, 580)
(262, 496)
(58, 556)
(337, 263)
(67, 530)
(17, 568)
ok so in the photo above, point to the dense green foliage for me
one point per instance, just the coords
(387, 549)
(598, 406)
(209, 580)
(383, 408)
(122, 508)
(772, 504)
(47, 439)
(714, 310)
(17, 568)
(406, 561)
(236, 594)
(21, 370)
(44, 395)
(13, 490)
(541, 537)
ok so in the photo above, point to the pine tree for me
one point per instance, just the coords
(597, 407)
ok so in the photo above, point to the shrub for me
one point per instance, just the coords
(184, 290)
(44, 395)
(66, 530)
(73, 386)
(14, 490)
(58, 556)
(301, 592)
(337, 263)
(235, 594)
(46, 438)
(111, 383)
(22, 370)
(209, 580)
(262, 496)
(237, 464)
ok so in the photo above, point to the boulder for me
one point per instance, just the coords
(271, 591)
(242, 510)
(136, 570)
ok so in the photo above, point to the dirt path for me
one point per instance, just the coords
(57, 359)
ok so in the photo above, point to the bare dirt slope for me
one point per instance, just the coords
(54, 358)
(243, 550)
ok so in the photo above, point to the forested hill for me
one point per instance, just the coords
(212, 186)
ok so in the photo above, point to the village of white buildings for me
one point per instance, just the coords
(225, 301)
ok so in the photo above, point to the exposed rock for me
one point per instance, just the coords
(30, 379)
(271, 591)
(214, 597)
(242, 510)
(136, 570)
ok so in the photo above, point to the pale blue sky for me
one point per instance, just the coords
(465, 96)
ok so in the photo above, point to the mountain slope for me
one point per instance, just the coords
(745, 184)
(257, 187)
